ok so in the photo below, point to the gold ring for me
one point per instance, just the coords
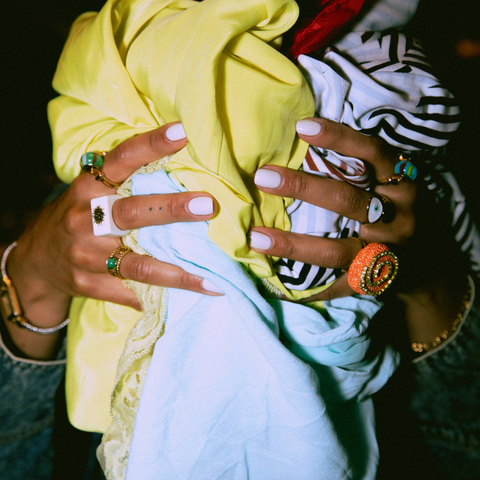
(363, 243)
(99, 175)
(115, 259)
(393, 180)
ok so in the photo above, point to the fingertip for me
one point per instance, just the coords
(211, 288)
(308, 127)
(268, 178)
(259, 241)
(175, 132)
(201, 206)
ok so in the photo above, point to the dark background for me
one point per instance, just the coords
(32, 36)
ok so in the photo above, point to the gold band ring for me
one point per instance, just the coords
(99, 175)
(115, 259)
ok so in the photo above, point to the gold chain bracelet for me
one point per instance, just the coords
(424, 347)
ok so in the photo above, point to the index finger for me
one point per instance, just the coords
(142, 149)
(342, 139)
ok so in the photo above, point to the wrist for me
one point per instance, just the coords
(39, 338)
(434, 312)
(41, 303)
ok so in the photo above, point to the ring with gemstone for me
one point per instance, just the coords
(92, 159)
(92, 163)
(115, 259)
(373, 270)
(380, 207)
(102, 217)
(404, 169)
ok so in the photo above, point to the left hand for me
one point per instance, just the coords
(344, 199)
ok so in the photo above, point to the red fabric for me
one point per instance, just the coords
(311, 34)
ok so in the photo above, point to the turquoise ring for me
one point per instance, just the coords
(405, 168)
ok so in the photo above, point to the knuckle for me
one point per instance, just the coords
(124, 210)
(348, 199)
(80, 284)
(78, 186)
(376, 149)
(183, 279)
(284, 247)
(71, 221)
(76, 255)
(338, 255)
(119, 154)
(156, 139)
(297, 184)
(140, 270)
(337, 133)
(171, 206)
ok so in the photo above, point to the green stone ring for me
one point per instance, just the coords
(115, 259)
(111, 263)
(92, 159)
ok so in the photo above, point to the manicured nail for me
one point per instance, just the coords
(209, 286)
(308, 127)
(260, 241)
(175, 132)
(267, 178)
(200, 206)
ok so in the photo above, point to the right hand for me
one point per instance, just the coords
(58, 256)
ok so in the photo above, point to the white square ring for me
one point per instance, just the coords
(102, 218)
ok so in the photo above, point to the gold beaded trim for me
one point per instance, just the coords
(424, 347)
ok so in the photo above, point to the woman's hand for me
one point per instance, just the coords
(58, 256)
(339, 197)
(430, 284)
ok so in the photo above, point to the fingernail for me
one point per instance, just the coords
(200, 206)
(175, 132)
(209, 286)
(260, 241)
(267, 178)
(308, 127)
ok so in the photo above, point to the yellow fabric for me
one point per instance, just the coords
(100, 340)
(213, 66)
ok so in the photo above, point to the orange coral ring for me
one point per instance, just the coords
(373, 270)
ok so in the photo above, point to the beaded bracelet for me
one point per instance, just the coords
(10, 306)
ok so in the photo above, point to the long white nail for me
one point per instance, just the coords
(308, 127)
(209, 286)
(175, 132)
(260, 241)
(267, 178)
(200, 206)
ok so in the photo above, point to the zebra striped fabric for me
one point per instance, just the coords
(378, 83)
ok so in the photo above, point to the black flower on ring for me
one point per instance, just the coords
(98, 215)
